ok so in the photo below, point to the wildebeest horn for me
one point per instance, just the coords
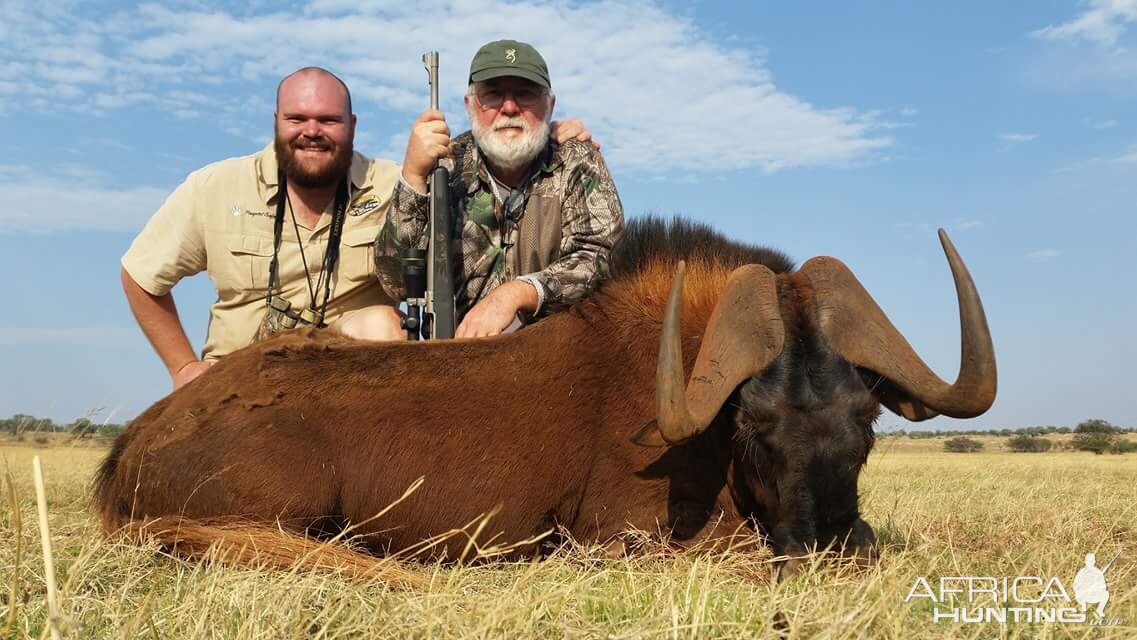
(857, 329)
(743, 335)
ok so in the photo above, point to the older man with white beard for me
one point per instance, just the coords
(534, 220)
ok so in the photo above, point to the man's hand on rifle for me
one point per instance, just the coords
(498, 310)
(429, 142)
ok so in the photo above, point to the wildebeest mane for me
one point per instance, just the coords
(652, 239)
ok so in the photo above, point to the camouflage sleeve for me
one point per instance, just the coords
(405, 225)
(408, 215)
(592, 222)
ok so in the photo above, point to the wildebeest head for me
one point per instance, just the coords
(809, 358)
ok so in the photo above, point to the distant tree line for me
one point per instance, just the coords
(21, 424)
(1096, 435)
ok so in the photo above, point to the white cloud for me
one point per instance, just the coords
(1122, 164)
(965, 224)
(661, 93)
(36, 203)
(1043, 255)
(1107, 124)
(1017, 138)
(1103, 23)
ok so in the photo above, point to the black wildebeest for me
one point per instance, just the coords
(785, 373)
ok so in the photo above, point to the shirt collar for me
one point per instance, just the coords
(267, 169)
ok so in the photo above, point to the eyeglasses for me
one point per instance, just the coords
(491, 98)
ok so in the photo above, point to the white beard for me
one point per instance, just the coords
(512, 153)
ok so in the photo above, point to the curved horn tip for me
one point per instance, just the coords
(945, 240)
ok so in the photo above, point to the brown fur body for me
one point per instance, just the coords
(318, 432)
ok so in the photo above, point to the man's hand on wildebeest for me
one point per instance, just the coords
(498, 310)
(381, 323)
(189, 371)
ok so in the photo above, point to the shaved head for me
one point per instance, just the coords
(312, 73)
(315, 128)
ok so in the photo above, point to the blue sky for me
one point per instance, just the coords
(844, 129)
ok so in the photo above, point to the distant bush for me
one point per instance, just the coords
(1096, 425)
(1121, 445)
(85, 427)
(1097, 442)
(111, 430)
(82, 428)
(962, 445)
(1029, 444)
(922, 435)
(22, 422)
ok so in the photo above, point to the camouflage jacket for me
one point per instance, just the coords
(556, 231)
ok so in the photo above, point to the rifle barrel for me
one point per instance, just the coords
(440, 295)
(1110, 564)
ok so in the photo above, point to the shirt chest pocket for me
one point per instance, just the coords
(248, 264)
(540, 242)
(357, 253)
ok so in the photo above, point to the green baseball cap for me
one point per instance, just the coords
(509, 58)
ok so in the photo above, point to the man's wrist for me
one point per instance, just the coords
(415, 183)
(182, 365)
(539, 287)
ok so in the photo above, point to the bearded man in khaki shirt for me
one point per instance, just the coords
(221, 220)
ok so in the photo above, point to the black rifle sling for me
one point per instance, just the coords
(331, 254)
(277, 230)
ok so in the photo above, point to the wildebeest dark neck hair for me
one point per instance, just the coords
(651, 239)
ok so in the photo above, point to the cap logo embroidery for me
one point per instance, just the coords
(511, 56)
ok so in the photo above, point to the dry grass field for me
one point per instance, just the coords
(937, 514)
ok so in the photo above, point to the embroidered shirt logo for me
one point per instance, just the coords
(365, 207)
(511, 56)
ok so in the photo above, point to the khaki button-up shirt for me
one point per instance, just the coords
(220, 220)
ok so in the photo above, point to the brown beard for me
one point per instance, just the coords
(327, 175)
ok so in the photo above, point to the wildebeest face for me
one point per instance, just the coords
(804, 430)
(797, 343)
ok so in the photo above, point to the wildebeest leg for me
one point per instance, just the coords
(860, 545)
(788, 545)
(614, 549)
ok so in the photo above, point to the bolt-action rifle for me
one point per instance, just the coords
(430, 300)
